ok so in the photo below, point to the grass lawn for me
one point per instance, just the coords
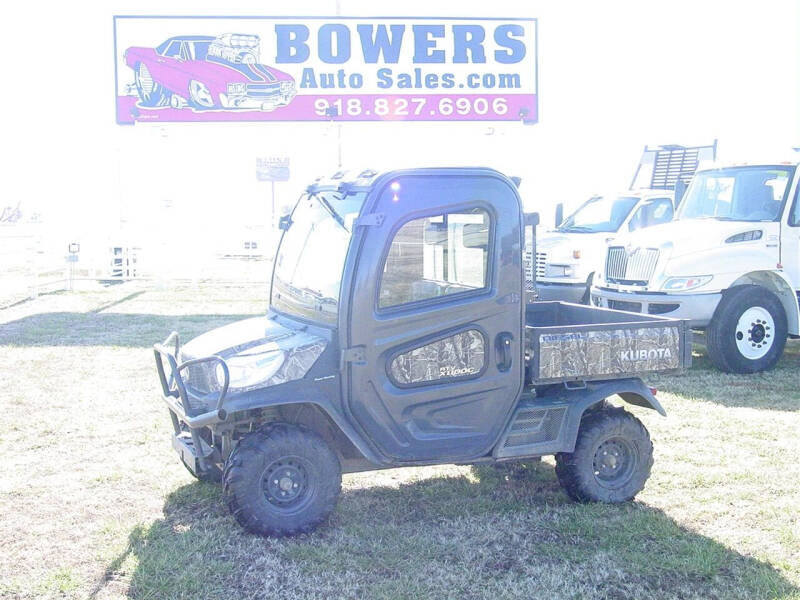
(94, 503)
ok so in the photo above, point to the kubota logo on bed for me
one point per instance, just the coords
(651, 354)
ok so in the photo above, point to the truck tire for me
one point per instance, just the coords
(747, 333)
(612, 458)
(281, 480)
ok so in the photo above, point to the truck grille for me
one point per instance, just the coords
(634, 268)
(541, 264)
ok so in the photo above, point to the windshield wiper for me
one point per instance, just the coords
(336, 216)
(576, 229)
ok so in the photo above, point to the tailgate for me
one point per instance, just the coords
(567, 342)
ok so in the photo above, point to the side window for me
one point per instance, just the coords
(437, 256)
(458, 356)
(654, 212)
(174, 50)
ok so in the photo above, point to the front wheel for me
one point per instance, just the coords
(200, 95)
(612, 458)
(748, 331)
(281, 480)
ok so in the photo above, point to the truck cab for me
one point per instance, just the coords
(567, 256)
(729, 263)
(398, 333)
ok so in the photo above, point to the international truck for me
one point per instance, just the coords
(729, 264)
(567, 256)
(399, 334)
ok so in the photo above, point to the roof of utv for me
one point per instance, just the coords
(364, 180)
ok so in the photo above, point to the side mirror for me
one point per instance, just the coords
(285, 222)
(559, 214)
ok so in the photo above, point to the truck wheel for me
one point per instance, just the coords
(612, 458)
(281, 480)
(747, 333)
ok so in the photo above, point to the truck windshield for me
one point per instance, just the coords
(600, 213)
(737, 194)
(311, 255)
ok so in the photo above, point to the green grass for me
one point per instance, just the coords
(94, 504)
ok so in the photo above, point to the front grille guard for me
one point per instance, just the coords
(177, 395)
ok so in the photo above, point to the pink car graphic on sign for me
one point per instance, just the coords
(206, 72)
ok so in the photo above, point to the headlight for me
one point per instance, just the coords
(558, 271)
(236, 89)
(250, 370)
(682, 284)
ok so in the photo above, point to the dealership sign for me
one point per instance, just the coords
(324, 68)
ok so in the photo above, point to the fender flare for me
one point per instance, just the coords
(578, 401)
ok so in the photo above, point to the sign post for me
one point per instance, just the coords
(272, 169)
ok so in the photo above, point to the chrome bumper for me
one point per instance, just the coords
(695, 308)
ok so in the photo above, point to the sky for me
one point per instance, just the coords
(613, 77)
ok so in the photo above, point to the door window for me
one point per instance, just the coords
(652, 213)
(435, 256)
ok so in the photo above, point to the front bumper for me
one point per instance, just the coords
(265, 103)
(187, 418)
(564, 292)
(695, 308)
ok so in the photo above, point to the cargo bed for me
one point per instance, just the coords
(572, 342)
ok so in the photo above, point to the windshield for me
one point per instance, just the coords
(600, 213)
(310, 258)
(737, 194)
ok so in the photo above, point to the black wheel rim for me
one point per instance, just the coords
(287, 483)
(614, 462)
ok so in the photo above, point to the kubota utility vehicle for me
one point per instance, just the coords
(398, 334)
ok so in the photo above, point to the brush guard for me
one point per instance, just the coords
(192, 448)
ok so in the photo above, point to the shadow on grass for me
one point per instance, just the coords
(492, 534)
(775, 389)
(106, 329)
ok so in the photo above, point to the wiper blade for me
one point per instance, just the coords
(575, 228)
(332, 211)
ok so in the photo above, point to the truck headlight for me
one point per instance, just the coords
(248, 370)
(236, 89)
(682, 284)
(558, 271)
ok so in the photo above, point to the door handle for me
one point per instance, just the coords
(502, 346)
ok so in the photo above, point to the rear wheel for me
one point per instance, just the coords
(612, 458)
(747, 333)
(281, 480)
(151, 93)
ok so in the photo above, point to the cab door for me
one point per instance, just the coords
(435, 314)
(790, 242)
